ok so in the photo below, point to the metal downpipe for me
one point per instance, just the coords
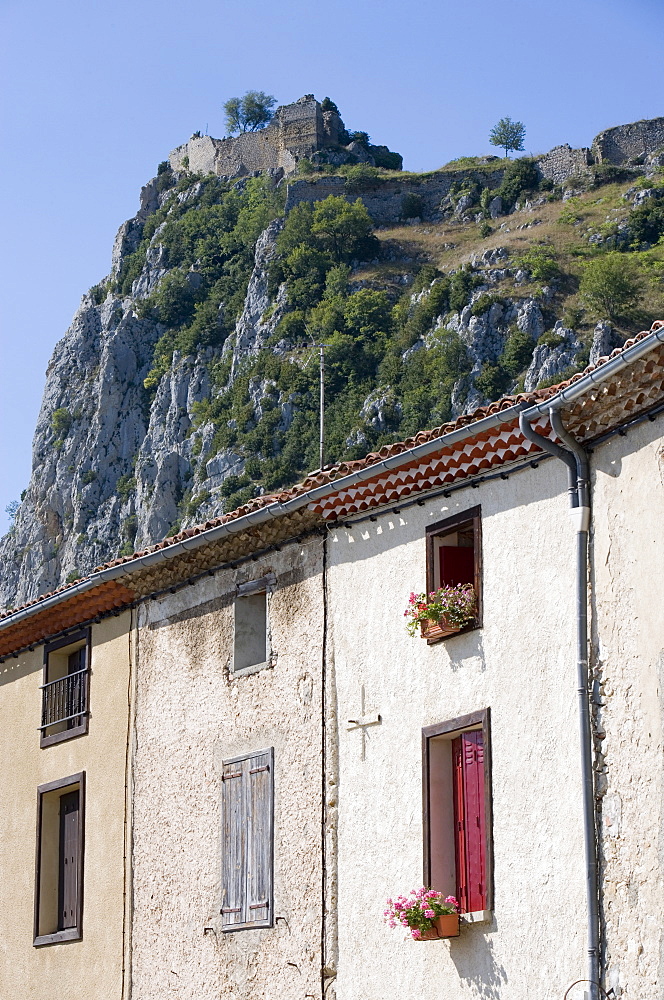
(576, 461)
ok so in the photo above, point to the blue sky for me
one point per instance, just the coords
(96, 94)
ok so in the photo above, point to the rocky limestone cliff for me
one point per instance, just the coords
(133, 441)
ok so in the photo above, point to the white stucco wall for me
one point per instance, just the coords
(522, 665)
(190, 715)
(628, 610)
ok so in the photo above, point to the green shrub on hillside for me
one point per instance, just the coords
(412, 205)
(540, 260)
(61, 421)
(611, 285)
(520, 175)
(492, 381)
(646, 224)
(517, 352)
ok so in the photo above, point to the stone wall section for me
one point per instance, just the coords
(191, 714)
(627, 143)
(563, 162)
(384, 201)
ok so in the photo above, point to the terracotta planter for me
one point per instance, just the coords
(445, 926)
(438, 630)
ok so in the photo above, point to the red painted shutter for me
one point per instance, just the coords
(473, 783)
(459, 825)
(469, 820)
(457, 565)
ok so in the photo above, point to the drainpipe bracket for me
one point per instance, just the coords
(581, 518)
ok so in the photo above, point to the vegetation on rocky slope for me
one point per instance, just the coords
(381, 301)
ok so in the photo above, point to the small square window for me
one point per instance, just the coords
(251, 638)
(59, 873)
(65, 688)
(454, 556)
(457, 810)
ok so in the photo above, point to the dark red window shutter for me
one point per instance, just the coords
(459, 826)
(469, 820)
(69, 850)
(457, 565)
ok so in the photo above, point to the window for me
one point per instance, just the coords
(247, 804)
(65, 688)
(457, 810)
(251, 644)
(454, 555)
(59, 871)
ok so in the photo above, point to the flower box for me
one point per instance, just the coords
(438, 630)
(445, 926)
(443, 612)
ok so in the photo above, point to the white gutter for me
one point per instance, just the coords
(274, 510)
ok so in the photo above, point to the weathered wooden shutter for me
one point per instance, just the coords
(68, 881)
(469, 820)
(259, 874)
(233, 844)
(457, 564)
(247, 810)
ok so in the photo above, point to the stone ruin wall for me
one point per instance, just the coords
(563, 162)
(384, 202)
(297, 130)
(627, 143)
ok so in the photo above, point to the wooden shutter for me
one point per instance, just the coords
(457, 564)
(68, 881)
(459, 826)
(233, 844)
(247, 810)
(259, 874)
(470, 820)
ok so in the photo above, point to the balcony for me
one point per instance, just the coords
(64, 707)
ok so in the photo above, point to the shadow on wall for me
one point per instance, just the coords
(475, 964)
(14, 670)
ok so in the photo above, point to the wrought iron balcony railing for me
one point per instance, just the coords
(65, 700)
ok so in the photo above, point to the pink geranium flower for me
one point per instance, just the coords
(418, 911)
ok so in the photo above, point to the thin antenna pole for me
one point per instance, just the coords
(322, 405)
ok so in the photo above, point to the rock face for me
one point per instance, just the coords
(126, 452)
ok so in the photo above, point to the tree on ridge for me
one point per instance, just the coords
(508, 135)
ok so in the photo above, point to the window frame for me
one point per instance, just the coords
(52, 647)
(71, 933)
(470, 517)
(253, 588)
(450, 729)
(269, 920)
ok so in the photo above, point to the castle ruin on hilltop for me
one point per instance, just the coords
(299, 130)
